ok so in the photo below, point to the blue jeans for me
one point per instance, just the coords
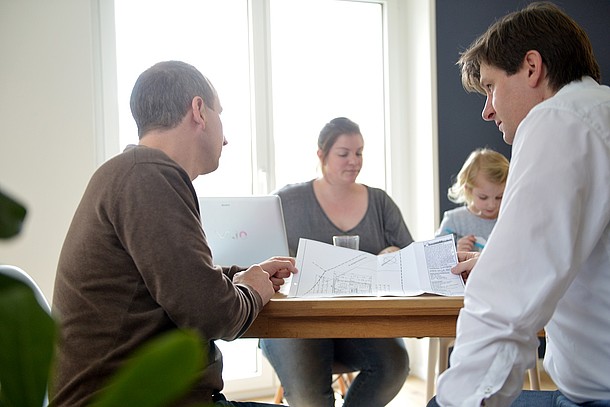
(544, 399)
(304, 367)
(242, 404)
(221, 401)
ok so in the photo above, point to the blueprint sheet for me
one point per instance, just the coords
(330, 271)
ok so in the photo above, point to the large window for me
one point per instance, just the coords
(323, 59)
(213, 36)
(327, 61)
(283, 68)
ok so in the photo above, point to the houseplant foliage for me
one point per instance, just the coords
(27, 336)
(157, 374)
(12, 214)
(27, 332)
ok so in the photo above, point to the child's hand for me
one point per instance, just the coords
(466, 243)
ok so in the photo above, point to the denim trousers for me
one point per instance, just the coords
(225, 403)
(219, 400)
(304, 367)
(538, 398)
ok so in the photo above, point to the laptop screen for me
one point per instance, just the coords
(244, 230)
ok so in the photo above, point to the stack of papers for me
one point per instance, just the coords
(331, 271)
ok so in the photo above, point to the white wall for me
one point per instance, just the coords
(48, 139)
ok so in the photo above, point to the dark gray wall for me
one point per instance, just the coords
(460, 126)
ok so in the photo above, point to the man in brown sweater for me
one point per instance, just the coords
(136, 263)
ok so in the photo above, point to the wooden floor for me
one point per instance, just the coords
(413, 393)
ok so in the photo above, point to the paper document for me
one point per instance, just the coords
(331, 271)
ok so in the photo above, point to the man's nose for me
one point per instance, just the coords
(488, 113)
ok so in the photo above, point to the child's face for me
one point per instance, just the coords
(486, 198)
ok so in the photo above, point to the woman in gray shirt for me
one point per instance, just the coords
(335, 204)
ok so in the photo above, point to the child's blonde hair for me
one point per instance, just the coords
(491, 164)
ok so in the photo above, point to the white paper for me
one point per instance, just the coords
(331, 271)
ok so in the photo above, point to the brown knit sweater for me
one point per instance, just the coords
(135, 263)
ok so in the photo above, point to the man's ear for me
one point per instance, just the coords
(535, 69)
(198, 110)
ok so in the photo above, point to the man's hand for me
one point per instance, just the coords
(279, 268)
(257, 279)
(466, 261)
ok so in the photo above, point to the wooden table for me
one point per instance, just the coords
(368, 317)
(357, 317)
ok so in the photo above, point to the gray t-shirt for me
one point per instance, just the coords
(381, 226)
(461, 222)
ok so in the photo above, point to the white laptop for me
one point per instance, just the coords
(244, 230)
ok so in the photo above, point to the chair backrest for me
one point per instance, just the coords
(21, 275)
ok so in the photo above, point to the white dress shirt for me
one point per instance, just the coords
(546, 263)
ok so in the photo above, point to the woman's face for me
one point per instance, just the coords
(344, 159)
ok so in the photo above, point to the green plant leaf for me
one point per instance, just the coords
(12, 214)
(27, 339)
(160, 372)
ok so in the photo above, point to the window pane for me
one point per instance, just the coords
(239, 358)
(327, 61)
(212, 35)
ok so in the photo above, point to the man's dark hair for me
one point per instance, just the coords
(542, 26)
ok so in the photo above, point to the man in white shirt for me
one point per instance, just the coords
(547, 261)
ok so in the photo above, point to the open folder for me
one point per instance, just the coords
(331, 271)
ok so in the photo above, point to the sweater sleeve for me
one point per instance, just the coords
(157, 219)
